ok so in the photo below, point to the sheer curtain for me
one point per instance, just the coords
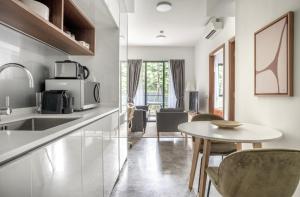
(171, 96)
(139, 98)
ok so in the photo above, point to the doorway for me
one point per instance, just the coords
(231, 104)
(153, 87)
(217, 81)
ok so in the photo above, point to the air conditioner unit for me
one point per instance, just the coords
(213, 26)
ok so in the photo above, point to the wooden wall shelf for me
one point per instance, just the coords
(64, 15)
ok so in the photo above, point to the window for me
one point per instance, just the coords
(153, 87)
(156, 82)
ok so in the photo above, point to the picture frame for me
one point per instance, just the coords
(273, 57)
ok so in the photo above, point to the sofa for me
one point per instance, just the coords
(168, 119)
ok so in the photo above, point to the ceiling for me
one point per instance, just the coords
(183, 25)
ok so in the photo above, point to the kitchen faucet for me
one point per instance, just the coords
(7, 110)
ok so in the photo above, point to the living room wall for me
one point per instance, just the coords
(279, 112)
(202, 50)
(150, 53)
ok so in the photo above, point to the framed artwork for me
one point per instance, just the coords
(273, 57)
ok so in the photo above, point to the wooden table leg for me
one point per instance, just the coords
(257, 145)
(204, 165)
(196, 149)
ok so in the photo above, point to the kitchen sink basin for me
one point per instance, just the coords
(35, 124)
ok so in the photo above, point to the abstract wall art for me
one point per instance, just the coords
(273, 57)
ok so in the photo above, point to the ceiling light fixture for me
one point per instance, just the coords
(164, 6)
(161, 35)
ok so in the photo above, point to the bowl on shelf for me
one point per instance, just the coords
(38, 8)
(224, 124)
(85, 44)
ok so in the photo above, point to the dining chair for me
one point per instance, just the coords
(258, 172)
(217, 148)
(130, 112)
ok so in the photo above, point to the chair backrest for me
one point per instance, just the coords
(260, 172)
(130, 112)
(206, 117)
(171, 110)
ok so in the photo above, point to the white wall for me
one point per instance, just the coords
(202, 50)
(104, 65)
(276, 111)
(279, 112)
(40, 58)
(37, 57)
(167, 53)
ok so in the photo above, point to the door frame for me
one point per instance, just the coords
(211, 97)
(231, 94)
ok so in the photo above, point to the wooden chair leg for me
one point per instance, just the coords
(196, 149)
(239, 146)
(204, 165)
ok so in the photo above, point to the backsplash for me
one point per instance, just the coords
(37, 57)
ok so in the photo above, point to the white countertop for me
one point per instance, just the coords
(15, 143)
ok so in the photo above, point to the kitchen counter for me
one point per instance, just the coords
(16, 143)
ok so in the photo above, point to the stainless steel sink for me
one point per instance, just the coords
(35, 124)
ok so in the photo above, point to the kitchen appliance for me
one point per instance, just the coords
(57, 102)
(70, 70)
(86, 93)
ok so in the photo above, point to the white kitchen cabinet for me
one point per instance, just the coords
(92, 169)
(57, 168)
(84, 163)
(15, 178)
(110, 152)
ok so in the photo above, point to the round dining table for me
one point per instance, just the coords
(205, 132)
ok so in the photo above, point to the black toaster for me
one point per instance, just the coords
(57, 102)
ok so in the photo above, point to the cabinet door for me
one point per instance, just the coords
(110, 153)
(92, 169)
(15, 178)
(123, 140)
(56, 168)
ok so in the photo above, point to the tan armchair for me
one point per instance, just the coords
(130, 113)
(257, 173)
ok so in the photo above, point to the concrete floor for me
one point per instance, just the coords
(159, 169)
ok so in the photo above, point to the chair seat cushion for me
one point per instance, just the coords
(221, 148)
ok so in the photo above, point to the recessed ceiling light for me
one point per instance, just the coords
(164, 6)
(160, 36)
